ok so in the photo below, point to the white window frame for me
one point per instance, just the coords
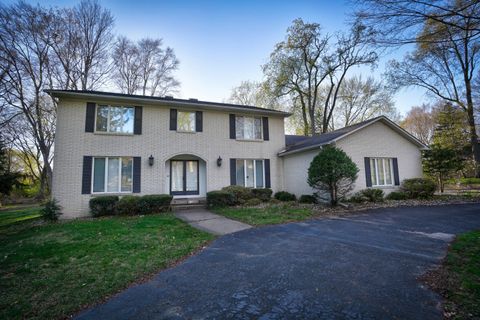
(108, 120)
(254, 172)
(243, 129)
(194, 122)
(106, 175)
(384, 160)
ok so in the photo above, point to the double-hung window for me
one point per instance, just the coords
(112, 174)
(250, 173)
(248, 128)
(186, 121)
(114, 119)
(381, 170)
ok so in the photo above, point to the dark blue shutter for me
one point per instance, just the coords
(396, 176)
(233, 172)
(173, 119)
(268, 184)
(232, 127)
(87, 175)
(137, 124)
(368, 173)
(90, 117)
(137, 174)
(199, 121)
(266, 135)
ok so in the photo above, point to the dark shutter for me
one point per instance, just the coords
(199, 121)
(368, 173)
(87, 175)
(233, 172)
(266, 136)
(90, 117)
(137, 174)
(173, 119)
(396, 177)
(232, 127)
(137, 124)
(268, 184)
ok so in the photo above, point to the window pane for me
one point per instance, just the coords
(186, 121)
(99, 175)
(127, 171)
(258, 128)
(259, 173)
(192, 175)
(112, 174)
(381, 176)
(116, 119)
(248, 128)
(239, 127)
(388, 171)
(240, 173)
(250, 174)
(128, 119)
(373, 171)
(102, 118)
(177, 175)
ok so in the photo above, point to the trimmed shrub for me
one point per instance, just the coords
(128, 205)
(103, 205)
(51, 210)
(368, 195)
(262, 194)
(220, 198)
(397, 195)
(307, 198)
(154, 203)
(253, 202)
(418, 188)
(285, 196)
(241, 194)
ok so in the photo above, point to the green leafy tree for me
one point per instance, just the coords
(333, 172)
(441, 163)
(8, 179)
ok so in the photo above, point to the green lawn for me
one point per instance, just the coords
(51, 271)
(269, 215)
(15, 214)
(462, 267)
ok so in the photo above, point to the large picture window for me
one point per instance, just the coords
(186, 121)
(112, 175)
(115, 119)
(250, 173)
(248, 128)
(381, 171)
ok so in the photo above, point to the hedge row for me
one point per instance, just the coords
(129, 205)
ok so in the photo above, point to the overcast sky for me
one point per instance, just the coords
(221, 43)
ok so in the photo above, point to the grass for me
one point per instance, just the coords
(272, 214)
(50, 271)
(14, 214)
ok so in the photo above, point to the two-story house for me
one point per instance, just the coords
(110, 143)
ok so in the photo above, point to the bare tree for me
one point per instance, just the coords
(360, 100)
(145, 67)
(421, 122)
(251, 93)
(306, 60)
(25, 33)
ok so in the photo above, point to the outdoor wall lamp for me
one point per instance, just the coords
(219, 161)
(150, 160)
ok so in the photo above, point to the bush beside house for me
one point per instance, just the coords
(418, 188)
(129, 205)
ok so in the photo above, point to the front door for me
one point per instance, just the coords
(184, 178)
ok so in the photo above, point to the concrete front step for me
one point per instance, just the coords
(182, 207)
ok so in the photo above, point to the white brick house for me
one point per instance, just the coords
(108, 143)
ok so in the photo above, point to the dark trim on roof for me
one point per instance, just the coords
(310, 143)
(87, 94)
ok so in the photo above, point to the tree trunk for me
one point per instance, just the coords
(474, 139)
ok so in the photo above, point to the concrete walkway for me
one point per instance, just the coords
(213, 223)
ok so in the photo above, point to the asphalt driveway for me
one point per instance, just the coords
(361, 267)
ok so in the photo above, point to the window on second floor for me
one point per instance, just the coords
(186, 121)
(248, 128)
(115, 119)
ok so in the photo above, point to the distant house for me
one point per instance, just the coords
(109, 143)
